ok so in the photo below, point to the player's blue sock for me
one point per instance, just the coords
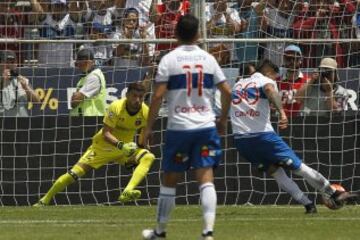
(289, 186)
(165, 204)
(208, 203)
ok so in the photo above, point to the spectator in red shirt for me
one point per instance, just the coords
(291, 79)
(13, 20)
(165, 16)
(323, 20)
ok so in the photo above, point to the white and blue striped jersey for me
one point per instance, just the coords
(191, 75)
(250, 110)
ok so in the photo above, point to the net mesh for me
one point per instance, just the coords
(36, 150)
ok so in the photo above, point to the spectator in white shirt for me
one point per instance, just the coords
(56, 24)
(222, 22)
(131, 54)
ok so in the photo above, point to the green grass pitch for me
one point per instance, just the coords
(127, 222)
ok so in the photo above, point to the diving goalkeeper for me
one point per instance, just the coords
(114, 142)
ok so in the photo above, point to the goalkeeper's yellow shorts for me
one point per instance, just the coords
(97, 157)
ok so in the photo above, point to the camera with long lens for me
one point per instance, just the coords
(14, 73)
(325, 74)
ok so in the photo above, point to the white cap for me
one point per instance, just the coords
(23, 4)
(58, 2)
(328, 63)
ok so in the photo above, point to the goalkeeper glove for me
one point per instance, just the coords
(128, 148)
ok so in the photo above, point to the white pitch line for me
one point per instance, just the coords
(133, 221)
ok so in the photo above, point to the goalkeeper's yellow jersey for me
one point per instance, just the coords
(125, 125)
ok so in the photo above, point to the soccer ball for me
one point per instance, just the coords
(331, 203)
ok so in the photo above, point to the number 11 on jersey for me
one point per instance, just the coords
(189, 79)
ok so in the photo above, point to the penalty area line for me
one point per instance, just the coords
(140, 221)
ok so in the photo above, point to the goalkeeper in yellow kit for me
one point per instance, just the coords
(114, 143)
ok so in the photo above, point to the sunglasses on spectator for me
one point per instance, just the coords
(326, 72)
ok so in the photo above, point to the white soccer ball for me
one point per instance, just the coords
(147, 233)
(330, 203)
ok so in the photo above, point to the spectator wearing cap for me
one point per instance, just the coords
(321, 94)
(90, 96)
(15, 90)
(291, 78)
(131, 54)
(55, 24)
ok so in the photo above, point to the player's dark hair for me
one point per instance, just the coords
(136, 86)
(265, 64)
(245, 69)
(187, 28)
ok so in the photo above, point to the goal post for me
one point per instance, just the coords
(36, 150)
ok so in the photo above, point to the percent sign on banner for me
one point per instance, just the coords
(46, 98)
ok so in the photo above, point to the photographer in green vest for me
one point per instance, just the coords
(90, 96)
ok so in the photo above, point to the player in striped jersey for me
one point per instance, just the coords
(188, 76)
(256, 140)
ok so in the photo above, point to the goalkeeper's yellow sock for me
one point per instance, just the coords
(140, 171)
(61, 183)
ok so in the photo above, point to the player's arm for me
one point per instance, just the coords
(128, 148)
(225, 91)
(110, 122)
(140, 139)
(108, 136)
(274, 98)
(156, 100)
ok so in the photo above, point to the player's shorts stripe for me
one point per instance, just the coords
(179, 81)
(141, 155)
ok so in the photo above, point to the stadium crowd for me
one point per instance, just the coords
(152, 19)
(149, 19)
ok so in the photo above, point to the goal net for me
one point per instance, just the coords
(36, 150)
